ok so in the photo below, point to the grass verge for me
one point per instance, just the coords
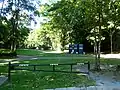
(24, 80)
(28, 80)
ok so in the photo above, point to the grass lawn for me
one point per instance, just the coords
(72, 57)
(34, 52)
(38, 81)
(28, 80)
(29, 52)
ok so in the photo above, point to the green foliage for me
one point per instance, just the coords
(68, 19)
(44, 38)
(74, 20)
(15, 18)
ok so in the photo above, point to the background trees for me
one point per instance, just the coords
(16, 18)
(77, 21)
(66, 22)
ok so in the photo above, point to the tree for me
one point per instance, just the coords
(68, 16)
(74, 20)
(16, 9)
(112, 12)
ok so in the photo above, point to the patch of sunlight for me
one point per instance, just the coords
(26, 61)
(24, 71)
(15, 62)
(77, 69)
(23, 49)
(82, 74)
(13, 71)
(2, 64)
(8, 60)
(66, 51)
(58, 51)
(40, 54)
(110, 55)
(34, 58)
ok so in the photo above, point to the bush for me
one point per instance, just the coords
(8, 54)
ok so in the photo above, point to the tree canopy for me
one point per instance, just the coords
(14, 18)
(94, 23)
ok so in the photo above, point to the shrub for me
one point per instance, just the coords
(8, 54)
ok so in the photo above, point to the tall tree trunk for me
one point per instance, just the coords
(99, 52)
(96, 53)
(14, 30)
(99, 40)
(95, 50)
(13, 45)
(13, 34)
(99, 47)
(111, 43)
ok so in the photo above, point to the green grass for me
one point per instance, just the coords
(34, 52)
(30, 52)
(3, 69)
(39, 81)
(28, 80)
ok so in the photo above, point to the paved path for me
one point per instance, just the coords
(104, 81)
(90, 88)
(2, 79)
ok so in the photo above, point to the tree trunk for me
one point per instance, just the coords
(96, 55)
(99, 48)
(99, 52)
(111, 43)
(13, 46)
(95, 51)
(99, 44)
(14, 30)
